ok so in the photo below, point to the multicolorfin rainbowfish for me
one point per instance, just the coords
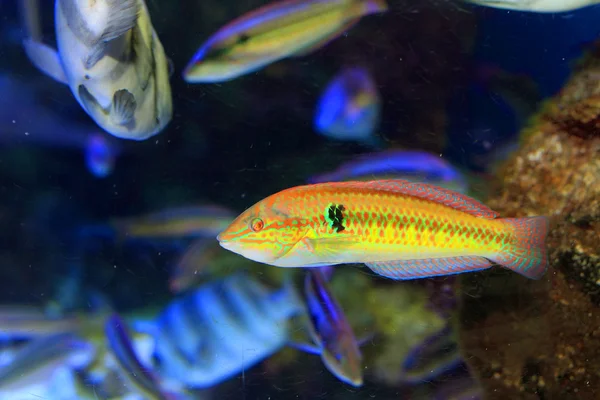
(205, 220)
(350, 108)
(412, 165)
(273, 32)
(399, 229)
(331, 333)
(112, 60)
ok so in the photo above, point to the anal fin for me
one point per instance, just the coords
(123, 107)
(46, 59)
(428, 267)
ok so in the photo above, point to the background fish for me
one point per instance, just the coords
(205, 220)
(412, 165)
(273, 32)
(537, 5)
(220, 329)
(350, 108)
(334, 339)
(35, 363)
(99, 156)
(399, 229)
(194, 262)
(139, 378)
(113, 61)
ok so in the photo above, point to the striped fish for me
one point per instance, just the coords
(399, 229)
(274, 32)
(219, 330)
(113, 61)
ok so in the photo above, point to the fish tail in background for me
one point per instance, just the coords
(527, 255)
(365, 7)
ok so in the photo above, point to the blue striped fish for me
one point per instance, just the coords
(219, 330)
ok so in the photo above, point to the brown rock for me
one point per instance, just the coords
(541, 339)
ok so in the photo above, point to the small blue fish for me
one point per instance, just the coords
(219, 330)
(203, 220)
(332, 335)
(100, 155)
(350, 108)
(412, 165)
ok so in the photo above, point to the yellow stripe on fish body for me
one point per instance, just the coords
(400, 229)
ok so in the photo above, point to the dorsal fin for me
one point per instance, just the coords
(428, 192)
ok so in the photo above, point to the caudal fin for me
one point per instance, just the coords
(527, 255)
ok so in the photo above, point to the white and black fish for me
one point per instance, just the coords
(540, 6)
(219, 330)
(114, 63)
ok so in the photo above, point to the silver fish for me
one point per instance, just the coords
(113, 61)
(219, 330)
(35, 363)
(540, 6)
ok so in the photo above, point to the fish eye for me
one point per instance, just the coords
(257, 224)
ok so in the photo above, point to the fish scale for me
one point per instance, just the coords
(385, 220)
(399, 229)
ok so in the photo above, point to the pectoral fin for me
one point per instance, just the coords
(123, 107)
(330, 248)
(46, 59)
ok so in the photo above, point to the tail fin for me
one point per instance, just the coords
(374, 6)
(527, 255)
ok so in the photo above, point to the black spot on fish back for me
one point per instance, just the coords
(335, 214)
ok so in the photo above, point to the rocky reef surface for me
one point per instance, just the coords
(541, 339)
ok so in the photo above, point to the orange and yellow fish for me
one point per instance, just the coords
(399, 229)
